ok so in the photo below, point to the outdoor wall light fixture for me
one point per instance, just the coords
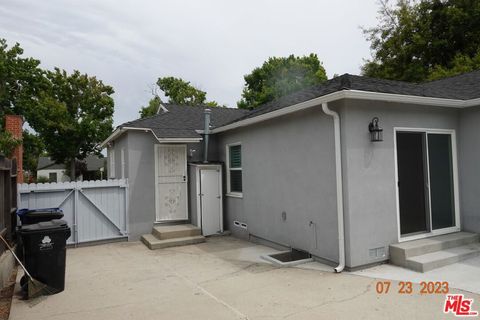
(376, 133)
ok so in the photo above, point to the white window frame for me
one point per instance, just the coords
(227, 152)
(111, 159)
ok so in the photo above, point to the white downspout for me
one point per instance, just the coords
(338, 169)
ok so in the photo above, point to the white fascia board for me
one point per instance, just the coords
(472, 103)
(280, 112)
(119, 131)
(391, 97)
(184, 140)
(351, 94)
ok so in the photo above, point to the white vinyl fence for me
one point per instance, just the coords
(95, 210)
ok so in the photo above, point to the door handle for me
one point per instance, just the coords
(184, 178)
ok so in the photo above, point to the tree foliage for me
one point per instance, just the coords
(152, 108)
(181, 92)
(8, 143)
(461, 63)
(70, 113)
(73, 115)
(425, 39)
(33, 148)
(279, 76)
(21, 80)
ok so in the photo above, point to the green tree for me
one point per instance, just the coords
(181, 92)
(33, 148)
(178, 91)
(152, 108)
(73, 116)
(21, 80)
(461, 64)
(8, 143)
(279, 76)
(426, 39)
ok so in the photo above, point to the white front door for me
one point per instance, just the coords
(211, 201)
(171, 182)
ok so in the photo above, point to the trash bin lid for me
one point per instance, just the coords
(46, 225)
(26, 211)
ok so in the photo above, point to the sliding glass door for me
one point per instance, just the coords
(426, 182)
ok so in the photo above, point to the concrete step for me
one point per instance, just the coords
(441, 258)
(399, 253)
(176, 231)
(154, 243)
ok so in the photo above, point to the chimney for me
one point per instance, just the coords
(14, 125)
(207, 133)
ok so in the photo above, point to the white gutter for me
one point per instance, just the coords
(351, 94)
(119, 131)
(338, 170)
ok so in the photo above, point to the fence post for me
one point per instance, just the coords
(75, 217)
(127, 212)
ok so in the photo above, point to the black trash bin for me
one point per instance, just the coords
(31, 216)
(44, 249)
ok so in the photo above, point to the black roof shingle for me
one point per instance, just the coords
(183, 121)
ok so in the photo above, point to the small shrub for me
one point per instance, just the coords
(42, 179)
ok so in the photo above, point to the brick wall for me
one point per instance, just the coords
(14, 125)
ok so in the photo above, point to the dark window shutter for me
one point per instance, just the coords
(236, 156)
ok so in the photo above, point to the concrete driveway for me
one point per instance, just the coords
(223, 278)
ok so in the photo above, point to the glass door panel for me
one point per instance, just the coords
(411, 183)
(442, 200)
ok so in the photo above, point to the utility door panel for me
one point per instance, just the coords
(211, 201)
(171, 182)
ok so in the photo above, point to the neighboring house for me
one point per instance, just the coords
(55, 172)
(305, 172)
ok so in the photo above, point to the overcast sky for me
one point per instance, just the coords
(211, 43)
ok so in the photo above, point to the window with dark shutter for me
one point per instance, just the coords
(235, 169)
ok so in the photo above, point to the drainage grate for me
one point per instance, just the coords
(289, 258)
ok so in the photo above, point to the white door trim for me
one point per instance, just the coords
(155, 151)
(455, 228)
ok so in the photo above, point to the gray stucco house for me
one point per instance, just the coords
(314, 170)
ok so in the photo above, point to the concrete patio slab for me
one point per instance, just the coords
(224, 278)
(464, 275)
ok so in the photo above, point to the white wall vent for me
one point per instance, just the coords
(240, 224)
(377, 253)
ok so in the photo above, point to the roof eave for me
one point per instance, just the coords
(350, 94)
(120, 130)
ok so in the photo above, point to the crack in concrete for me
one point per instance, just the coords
(236, 272)
(239, 314)
(323, 304)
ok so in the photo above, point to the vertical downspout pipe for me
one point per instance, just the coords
(338, 169)
(206, 134)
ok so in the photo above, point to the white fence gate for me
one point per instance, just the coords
(94, 210)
